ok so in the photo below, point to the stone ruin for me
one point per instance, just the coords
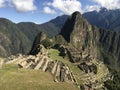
(92, 74)
(88, 68)
(60, 71)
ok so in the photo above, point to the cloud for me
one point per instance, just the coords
(109, 4)
(48, 10)
(65, 6)
(2, 3)
(89, 8)
(24, 5)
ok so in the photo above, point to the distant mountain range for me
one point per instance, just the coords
(106, 19)
(18, 38)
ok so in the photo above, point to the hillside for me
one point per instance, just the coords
(51, 27)
(12, 40)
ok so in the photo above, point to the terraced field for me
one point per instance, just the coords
(54, 55)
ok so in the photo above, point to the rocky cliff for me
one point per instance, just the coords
(95, 42)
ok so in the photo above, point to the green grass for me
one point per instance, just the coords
(54, 55)
(12, 78)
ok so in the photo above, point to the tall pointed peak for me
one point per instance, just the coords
(76, 13)
(75, 24)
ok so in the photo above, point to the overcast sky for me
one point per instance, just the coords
(40, 11)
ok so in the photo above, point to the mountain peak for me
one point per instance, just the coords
(74, 24)
(76, 13)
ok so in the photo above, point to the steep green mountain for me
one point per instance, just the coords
(107, 19)
(12, 40)
(51, 27)
(32, 29)
(29, 29)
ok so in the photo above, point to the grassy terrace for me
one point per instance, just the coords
(13, 79)
(54, 55)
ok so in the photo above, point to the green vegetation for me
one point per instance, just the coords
(54, 55)
(12, 78)
(47, 43)
(51, 28)
(12, 39)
